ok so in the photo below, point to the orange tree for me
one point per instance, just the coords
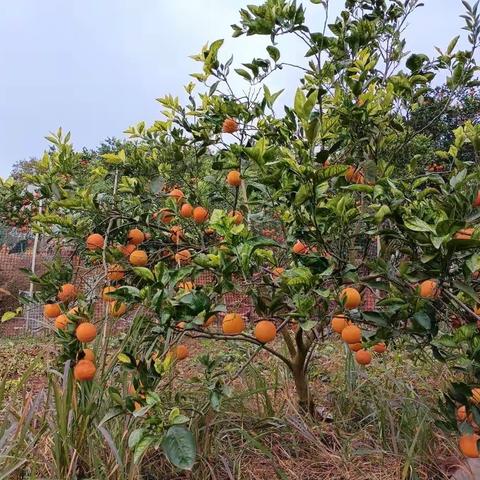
(305, 212)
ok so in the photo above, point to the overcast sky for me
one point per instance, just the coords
(95, 67)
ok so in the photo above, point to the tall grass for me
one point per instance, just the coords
(389, 409)
(374, 422)
(20, 429)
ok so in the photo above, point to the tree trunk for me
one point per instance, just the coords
(305, 401)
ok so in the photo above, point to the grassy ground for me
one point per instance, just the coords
(373, 423)
(24, 362)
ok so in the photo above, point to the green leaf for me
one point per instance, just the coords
(179, 447)
(243, 73)
(113, 158)
(370, 171)
(112, 413)
(144, 273)
(381, 213)
(299, 103)
(302, 194)
(308, 105)
(452, 45)
(10, 315)
(274, 53)
(423, 320)
(307, 325)
(122, 358)
(458, 179)
(141, 447)
(458, 245)
(376, 318)
(446, 341)
(359, 188)
(135, 437)
(298, 276)
(467, 289)
(333, 171)
(437, 242)
(415, 62)
(418, 225)
(180, 420)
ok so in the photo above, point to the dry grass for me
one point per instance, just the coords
(374, 423)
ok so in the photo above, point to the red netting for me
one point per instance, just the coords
(90, 281)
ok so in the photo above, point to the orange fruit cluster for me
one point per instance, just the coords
(351, 334)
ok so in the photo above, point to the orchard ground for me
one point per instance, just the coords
(373, 422)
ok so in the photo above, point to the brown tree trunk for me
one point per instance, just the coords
(305, 401)
(298, 349)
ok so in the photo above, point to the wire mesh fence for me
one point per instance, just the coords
(14, 282)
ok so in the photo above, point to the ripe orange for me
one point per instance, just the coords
(166, 215)
(354, 175)
(476, 202)
(61, 322)
(176, 234)
(127, 249)
(117, 309)
(105, 294)
(265, 331)
(363, 357)
(95, 241)
(234, 178)
(351, 298)
(237, 217)
(339, 322)
(181, 352)
(350, 173)
(51, 310)
(88, 354)
(351, 334)
(210, 321)
(299, 248)
(67, 293)
(200, 214)
(135, 236)
(355, 347)
(183, 256)
(186, 211)
(230, 125)
(277, 272)
(138, 258)
(468, 445)
(187, 286)
(428, 289)
(115, 272)
(464, 234)
(86, 332)
(176, 194)
(379, 348)
(84, 370)
(233, 324)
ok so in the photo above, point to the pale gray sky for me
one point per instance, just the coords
(95, 67)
